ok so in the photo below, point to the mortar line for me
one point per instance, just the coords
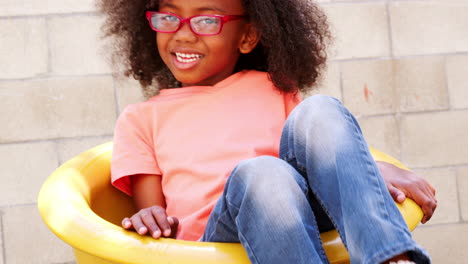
(51, 76)
(432, 111)
(460, 217)
(50, 15)
(340, 72)
(49, 49)
(389, 23)
(116, 98)
(441, 167)
(52, 140)
(421, 226)
(18, 205)
(397, 118)
(2, 238)
(447, 88)
(57, 153)
(402, 57)
(398, 114)
(375, 1)
(400, 135)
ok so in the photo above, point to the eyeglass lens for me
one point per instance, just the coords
(199, 24)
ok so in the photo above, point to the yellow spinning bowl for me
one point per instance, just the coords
(78, 203)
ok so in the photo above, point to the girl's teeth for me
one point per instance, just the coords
(186, 58)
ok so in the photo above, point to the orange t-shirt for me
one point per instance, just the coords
(194, 137)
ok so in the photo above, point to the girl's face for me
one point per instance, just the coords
(204, 60)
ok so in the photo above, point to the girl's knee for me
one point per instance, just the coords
(321, 100)
(265, 173)
(318, 116)
(319, 108)
(256, 170)
(267, 186)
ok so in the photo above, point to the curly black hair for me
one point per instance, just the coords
(292, 48)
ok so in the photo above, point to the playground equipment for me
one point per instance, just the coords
(79, 204)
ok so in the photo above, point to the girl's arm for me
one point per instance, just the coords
(402, 183)
(147, 191)
(149, 200)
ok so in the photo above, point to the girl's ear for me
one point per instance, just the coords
(249, 40)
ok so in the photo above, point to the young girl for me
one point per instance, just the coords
(219, 154)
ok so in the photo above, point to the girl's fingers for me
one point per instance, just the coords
(150, 222)
(161, 218)
(126, 223)
(429, 186)
(431, 204)
(138, 225)
(174, 222)
(426, 200)
(398, 195)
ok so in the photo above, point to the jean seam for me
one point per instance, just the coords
(224, 213)
(300, 169)
(363, 149)
(247, 246)
(322, 253)
(330, 217)
(215, 225)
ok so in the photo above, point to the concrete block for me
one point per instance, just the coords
(35, 7)
(368, 87)
(457, 69)
(382, 133)
(462, 180)
(420, 84)
(128, 92)
(28, 240)
(360, 30)
(330, 84)
(44, 109)
(26, 166)
(76, 47)
(429, 27)
(69, 148)
(23, 49)
(435, 139)
(445, 243)
(445, 183)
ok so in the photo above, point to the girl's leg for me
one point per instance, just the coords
(264, 206)
(323, 141)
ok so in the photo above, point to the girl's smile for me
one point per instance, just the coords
(199, 60)
(184, 59)
(187, 58)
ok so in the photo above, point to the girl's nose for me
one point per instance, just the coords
(185, 34)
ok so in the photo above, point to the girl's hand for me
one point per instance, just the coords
(152, 220)
(402, 183)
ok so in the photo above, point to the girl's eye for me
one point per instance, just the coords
(207, 20)
(169, 18)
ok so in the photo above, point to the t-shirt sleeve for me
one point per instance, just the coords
(133, 151)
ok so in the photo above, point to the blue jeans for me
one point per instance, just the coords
(276, 207)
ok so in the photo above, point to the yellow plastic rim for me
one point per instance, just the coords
(71, 196)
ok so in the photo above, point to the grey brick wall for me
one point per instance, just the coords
(399, 66)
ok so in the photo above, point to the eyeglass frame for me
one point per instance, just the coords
(223, 18)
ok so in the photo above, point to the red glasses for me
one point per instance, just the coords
(204, 25)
